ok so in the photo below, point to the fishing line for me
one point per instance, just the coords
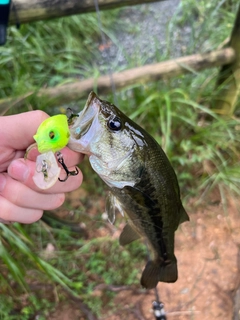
(157, 305)
(106, 51)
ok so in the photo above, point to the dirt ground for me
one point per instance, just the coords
(207, 250)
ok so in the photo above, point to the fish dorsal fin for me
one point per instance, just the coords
(110, 208)
(128, 235)
(183, 215)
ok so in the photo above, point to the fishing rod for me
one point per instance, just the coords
(157, 305)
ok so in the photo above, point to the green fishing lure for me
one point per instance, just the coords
(52, 134)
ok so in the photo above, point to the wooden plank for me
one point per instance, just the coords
(145, 74)
(34, 10)
(228, 83)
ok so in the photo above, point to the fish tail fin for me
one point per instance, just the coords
(155, 271)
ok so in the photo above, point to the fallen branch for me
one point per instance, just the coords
(148, 73)
(34, 10)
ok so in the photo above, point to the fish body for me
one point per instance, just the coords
(142, 183)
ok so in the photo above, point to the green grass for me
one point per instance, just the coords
(202, 146)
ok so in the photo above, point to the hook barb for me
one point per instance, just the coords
(68, 173)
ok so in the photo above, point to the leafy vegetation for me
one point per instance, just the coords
(41, 265)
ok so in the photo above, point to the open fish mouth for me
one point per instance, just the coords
(84, 120)
(84, 127)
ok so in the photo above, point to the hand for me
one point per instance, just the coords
(20, 199)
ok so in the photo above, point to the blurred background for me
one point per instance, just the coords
(71, 266)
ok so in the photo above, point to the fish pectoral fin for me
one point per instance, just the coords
(183, 215)
(110, 208)
(128, 235)
(155, 271)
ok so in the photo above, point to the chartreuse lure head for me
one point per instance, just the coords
(52, 134)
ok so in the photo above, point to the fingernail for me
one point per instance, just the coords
(18, 170)
(2, 182)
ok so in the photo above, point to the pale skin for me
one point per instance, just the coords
(20, 199)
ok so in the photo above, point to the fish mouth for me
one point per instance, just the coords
(84, 126)
(84, 119)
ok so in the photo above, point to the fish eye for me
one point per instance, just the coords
(114, 124)
(51, 135)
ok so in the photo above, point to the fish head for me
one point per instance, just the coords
(108, 136)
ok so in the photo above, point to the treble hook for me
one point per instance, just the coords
(68, 173)
(71, 116)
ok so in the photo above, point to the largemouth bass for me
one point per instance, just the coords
(142, 183)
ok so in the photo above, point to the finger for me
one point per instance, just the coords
(4, 221)
(12, 213)
(22, 196)
(5, 159)
(25, 126)
(23, 171)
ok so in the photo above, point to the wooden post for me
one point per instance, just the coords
(228, 84)
(34, 10)
(163, 70)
